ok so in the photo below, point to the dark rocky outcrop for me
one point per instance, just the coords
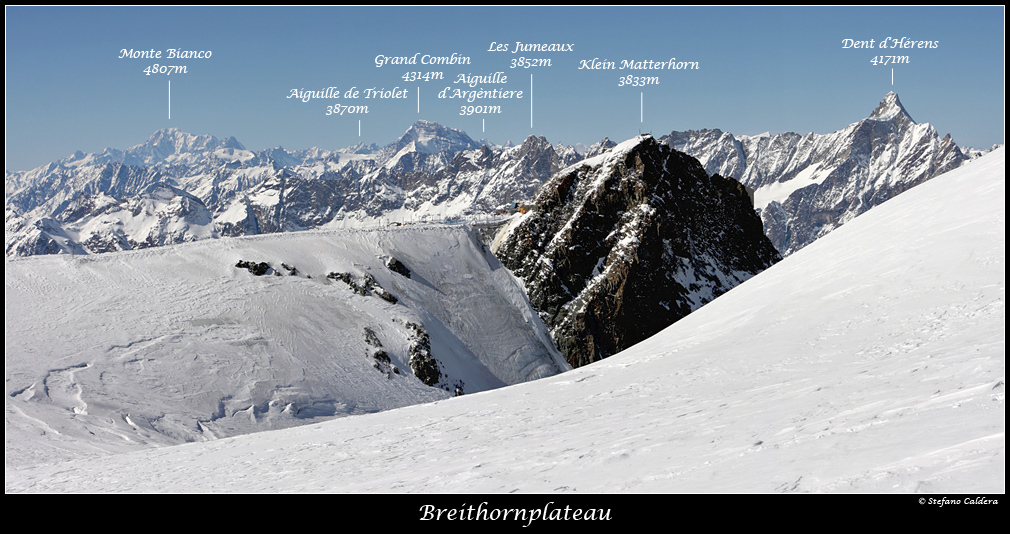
(398, 267)
(382, 361)
(258, 269)
(423, 365)
(624, 244)
(364, 285)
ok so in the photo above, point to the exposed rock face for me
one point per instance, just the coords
(398, 267)
(364, 285)
(624, 244)
(423, 365)
(807, 185)
(257, 269)
(382, 363)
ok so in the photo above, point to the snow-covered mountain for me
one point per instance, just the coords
(872, 361)
(807, 185)
(424, 147)
(204, 340)
(623, 244)
(804, 185)
(975, 153)
(430, 172)
(160, 214)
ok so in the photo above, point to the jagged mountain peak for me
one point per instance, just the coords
(432, 137)
(535, 141)
(889, 108)
(805, 186)
(599, 147)
(425, 146)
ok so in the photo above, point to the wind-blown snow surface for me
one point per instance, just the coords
(872, 360)
(116, 352)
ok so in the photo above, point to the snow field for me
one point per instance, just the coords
(870, 361)
(162, 346)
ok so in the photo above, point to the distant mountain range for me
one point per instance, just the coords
(178, 187)
(807, 185)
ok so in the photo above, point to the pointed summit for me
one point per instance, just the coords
(432, 137)
(834, 177)
(889, 108)
(599, 147)
(410, 153)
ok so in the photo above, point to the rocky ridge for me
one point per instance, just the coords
(807, 185)
(623, 244)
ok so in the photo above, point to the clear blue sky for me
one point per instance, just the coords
(761, 69)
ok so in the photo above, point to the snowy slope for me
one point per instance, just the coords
(175, 344)
(872, 360)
